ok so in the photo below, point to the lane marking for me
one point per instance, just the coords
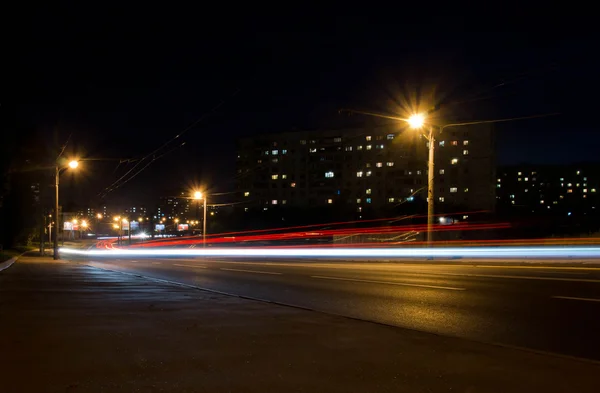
(577, 298)
(133, 261)
(200, 266)
(518, 277)
(251, 271)
(389, 282)
(156, 263)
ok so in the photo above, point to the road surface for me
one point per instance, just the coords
(545, 308)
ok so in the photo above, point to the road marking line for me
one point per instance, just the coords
(539, 267)
(389, 282)
(156, 263)
(577, 298)
(200, 266)
(251, 271)
(518, 277)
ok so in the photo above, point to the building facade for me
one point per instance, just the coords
(375, 168)
(564, 190)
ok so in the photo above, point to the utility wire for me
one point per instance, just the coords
(116, 184)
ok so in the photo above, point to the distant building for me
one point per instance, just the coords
(174, 207)
(545, 189)
(373, 168)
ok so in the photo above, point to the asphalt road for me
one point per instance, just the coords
(544, 308)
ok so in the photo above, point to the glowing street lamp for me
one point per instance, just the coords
(72, 164)
(416, 121)
(197, 196)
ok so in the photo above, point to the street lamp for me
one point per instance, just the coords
(72, 164)
(418, 121)
(197, 196)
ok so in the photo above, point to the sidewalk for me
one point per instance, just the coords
(66, 327)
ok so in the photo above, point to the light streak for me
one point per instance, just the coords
(352, 252)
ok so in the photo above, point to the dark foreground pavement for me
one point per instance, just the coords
(66, 327)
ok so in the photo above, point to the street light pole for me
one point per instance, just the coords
(204, 222)
(430, 185)
(56, 181)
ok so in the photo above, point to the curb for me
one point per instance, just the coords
(6, 264)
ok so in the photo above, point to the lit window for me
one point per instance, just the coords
(569, 191)
(274, 152)
(498, 185)
(358, 147)
(368, 147)
(526, 179)
(533, 173)
(368, 138)
(593, 190)
(329, 174)
(520, 173)
(562, 197)
(578, 172)
(274, 177)
(359, 174)
(368, 200)
(499, 180)
(410, 199)
(419, 172)
(312, 150)
(389, 163)
(390, 200)
(247, 193)
(259, 161)
(274, 202)
(466, 189)
(465, 152)
(358, 200)
(519, 179)
(465, 143)
(348, 148)
(284, 151)
(570, 185)
(369, 173)
(381, 146)
(454, 161)
(454, 143)
(542, 202)
(368, 164)
(330, 201)
(453, 189)
(337, 139)
(390, 137)
(284, 176)
(303, 142)
(526, 190)
(379, 165)
(284, 201)
(275, 159)
(442, 143)
(442, 171)
(513, 202)
(585, 179)
(368, 191)
(562, 179)
(266, 153)
(293, 185)
(577, 185)
(441, 199)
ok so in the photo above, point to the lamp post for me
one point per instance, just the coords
(418, 121)
(197, 196)
(72, 164)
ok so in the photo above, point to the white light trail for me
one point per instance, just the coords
(453, 252)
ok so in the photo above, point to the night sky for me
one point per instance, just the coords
(122, 84)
